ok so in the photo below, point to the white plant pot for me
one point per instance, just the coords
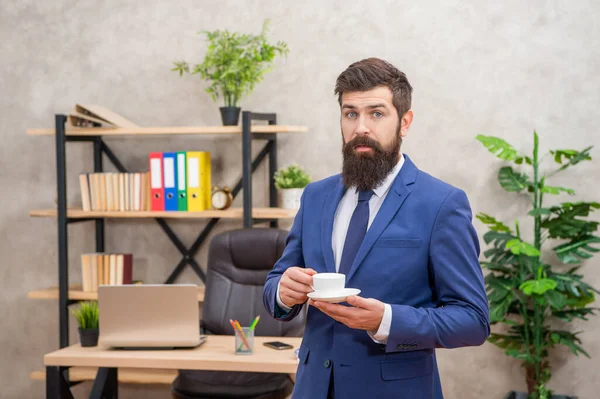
(289, 198)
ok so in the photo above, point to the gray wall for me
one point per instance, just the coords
(496, 68)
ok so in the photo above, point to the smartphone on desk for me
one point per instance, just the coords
(278, 345)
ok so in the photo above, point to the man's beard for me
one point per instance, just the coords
(367, 170)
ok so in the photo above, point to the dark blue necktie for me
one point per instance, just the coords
(356, 231)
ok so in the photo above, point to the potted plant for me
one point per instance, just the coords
(234, 64)
(87, 319)
(536, 294)
(290, 183)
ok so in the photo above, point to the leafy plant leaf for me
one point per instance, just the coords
(537, 286)
(565, 222)
(573, 284)
(497, 268)
(506, 341)
(539, 212)
(556, 300)
(570, 315)
(498, 147)
(512, 181)
(557, 190)
(493, 224)
(499, 310)
(570, 340)
(519, 247)
(572, 157)
(500, 256)
(503, 150)
(578, 248)
(527, 358)
(583, 301)
(498, 239)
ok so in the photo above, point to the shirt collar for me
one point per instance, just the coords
(387, 182)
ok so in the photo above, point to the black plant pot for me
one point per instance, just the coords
(230, 115)
(523, 395)
(88, 337)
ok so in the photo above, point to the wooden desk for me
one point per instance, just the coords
(217, 353)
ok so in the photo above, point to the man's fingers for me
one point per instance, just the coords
(290, 300)
(298, 296)
(299, 276)
(295, 286)
(359, 302)
(339, 311)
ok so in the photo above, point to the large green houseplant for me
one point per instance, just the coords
(234, 64)
(532, 292)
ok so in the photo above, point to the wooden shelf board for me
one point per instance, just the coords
(151, 131)
(125, 375)
(231, 213)
(76, 293)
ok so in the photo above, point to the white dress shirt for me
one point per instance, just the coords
(341, 223)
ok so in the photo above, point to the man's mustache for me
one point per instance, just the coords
(363, 141)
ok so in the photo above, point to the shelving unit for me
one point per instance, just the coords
(231, 213)
(68, 294)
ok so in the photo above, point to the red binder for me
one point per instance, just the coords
(157, 191)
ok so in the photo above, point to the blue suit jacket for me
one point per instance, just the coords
(420, 255)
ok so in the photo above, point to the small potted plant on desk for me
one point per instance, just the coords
(87, 319)
(234, 64)
(290, 183)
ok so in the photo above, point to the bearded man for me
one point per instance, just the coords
(401, 236)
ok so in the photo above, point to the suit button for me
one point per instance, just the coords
(327, 363)
(400, 346)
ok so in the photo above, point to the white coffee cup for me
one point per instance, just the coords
(324, 282)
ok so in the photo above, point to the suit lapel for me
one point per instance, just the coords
(391, 205)
(331, 204)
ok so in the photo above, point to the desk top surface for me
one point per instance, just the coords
(217, 353)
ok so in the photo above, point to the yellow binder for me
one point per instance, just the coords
(205, 176)
(197, 180)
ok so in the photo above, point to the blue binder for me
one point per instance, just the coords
(170, 180)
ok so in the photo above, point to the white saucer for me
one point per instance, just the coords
(334, 296)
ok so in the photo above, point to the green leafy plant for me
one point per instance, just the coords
(291, 177)
(87, 315)
(525, 292)
(234, 63)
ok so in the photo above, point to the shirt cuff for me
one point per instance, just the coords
(383, 332)
(280, 303)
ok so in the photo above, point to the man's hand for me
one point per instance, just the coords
(362, 314)
(295, 283)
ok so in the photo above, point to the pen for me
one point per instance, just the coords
(254, 323)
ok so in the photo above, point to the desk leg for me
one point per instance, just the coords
(56, 384)
(106, 384)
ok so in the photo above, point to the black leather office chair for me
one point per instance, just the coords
(238, 263)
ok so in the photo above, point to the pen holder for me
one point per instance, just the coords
(244, 345)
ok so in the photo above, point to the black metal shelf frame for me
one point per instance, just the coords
(249, 165)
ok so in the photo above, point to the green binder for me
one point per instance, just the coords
(181, 181)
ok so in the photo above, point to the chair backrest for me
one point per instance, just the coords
(238, 263)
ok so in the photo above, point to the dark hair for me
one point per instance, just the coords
(372, 72)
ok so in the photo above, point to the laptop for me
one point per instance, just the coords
(148, 316)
